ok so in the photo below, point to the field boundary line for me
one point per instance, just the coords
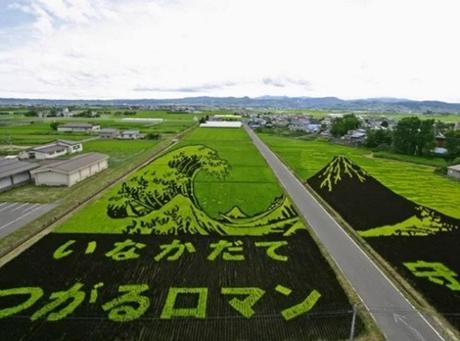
(9, 254)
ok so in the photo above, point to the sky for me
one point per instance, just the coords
(88, 49)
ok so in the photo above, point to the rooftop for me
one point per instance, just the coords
(50, 149)
(10, 167)
(73, 164)
(58, 145)
(455, 167)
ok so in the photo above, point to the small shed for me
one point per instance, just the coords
(71, 171)
(14, 172)
(454, 172)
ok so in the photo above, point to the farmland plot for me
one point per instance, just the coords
(157, 258)
(421, 243)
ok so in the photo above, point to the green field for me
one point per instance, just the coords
(249, 183)
(208, 209)
(25, 131)
(416, 182)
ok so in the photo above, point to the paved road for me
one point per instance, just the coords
(14, 215)
(395, 316)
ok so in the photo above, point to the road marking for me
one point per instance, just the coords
(267, 151)
(9, 206)
(17, 208)
(19, 218)
(401, 318)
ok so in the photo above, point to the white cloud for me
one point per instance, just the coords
(144, 48)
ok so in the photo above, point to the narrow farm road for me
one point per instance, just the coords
(394, 315)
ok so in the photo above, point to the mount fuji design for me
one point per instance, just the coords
(373, 209)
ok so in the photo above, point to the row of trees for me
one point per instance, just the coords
(413, 136)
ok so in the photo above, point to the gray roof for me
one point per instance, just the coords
(130, 132)
(73, 164)
(50, 149)
(455, 168)
(10, 167)
(58, 145)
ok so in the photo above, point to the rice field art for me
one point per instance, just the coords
(419, 242)
(149, 263)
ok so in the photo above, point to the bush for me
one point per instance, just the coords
(441, 170)
(382, 148)
(455, 161)
(152, 136)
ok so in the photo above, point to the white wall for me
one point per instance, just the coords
(5, 183)
(453, 174)
(58, 179)
(21, 177)
(51, 179)
(43, 156)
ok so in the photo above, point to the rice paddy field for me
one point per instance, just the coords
(201, 244)
(26, 131)
(416, 182)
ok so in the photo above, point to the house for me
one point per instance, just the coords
(79, 127)
(131, 135)
(440, 140)
(52, 150)
(457, 126)
(14, 172)
(356, 136)
(69, 172)
(454, 172)
(109, 133)
(66, 113)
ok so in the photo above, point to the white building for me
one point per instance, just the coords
(131, 135)
(71, 171)
(79, 127)
(66, 113)
(52, 150)
(14, 172)
(221, 124)
(109, 133)
(454, 172)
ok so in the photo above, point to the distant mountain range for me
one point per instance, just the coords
(281, 102)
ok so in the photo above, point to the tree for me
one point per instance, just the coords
(152, 136)
(31, 113)
(378, 137)
(342, 125)
(203, 119)
(413, 136)
(54, 125)
(453, 143)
